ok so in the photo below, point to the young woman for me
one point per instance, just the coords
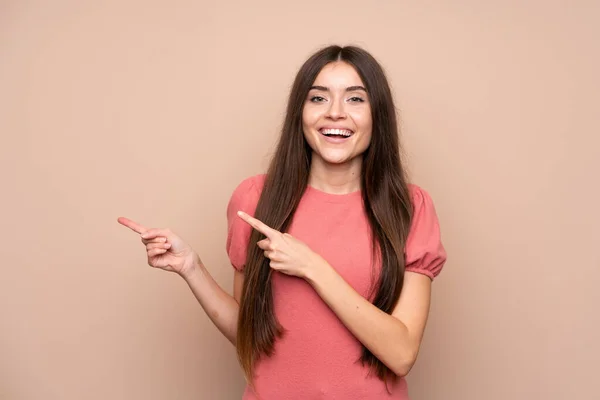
(334, 252)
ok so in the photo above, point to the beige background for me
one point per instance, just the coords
(156, 110)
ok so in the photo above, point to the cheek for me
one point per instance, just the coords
(308, 122)
(309, 116)
(363, 122)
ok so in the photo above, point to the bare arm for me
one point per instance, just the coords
(394, 339)
(220, 306)
(167, 251)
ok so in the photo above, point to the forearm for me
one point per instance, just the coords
(219, 305)
(384, 335)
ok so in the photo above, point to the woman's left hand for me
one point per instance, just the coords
(287, 254)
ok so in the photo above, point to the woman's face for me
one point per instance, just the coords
(336, 118)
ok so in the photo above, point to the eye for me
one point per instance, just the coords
(317, 99)
(356, 99)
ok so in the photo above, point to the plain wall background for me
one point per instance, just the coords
(156, 110)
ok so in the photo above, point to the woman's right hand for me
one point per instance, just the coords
(165, 249)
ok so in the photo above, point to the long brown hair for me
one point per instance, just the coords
(384, 191)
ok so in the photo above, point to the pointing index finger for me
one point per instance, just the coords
(258, 225)
(134, 226)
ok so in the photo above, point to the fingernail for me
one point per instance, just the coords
(240, 213)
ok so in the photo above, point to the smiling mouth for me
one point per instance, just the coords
(336, 133)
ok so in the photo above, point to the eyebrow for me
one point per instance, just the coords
(348, 89)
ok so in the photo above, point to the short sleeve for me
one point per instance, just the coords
(425, 252)
(244, 198)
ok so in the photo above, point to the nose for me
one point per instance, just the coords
(336, 110)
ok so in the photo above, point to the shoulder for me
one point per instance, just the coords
(245, 195)
(424, 211)
(418, 195)
(253, 183)
(424, 249)
(249, 189)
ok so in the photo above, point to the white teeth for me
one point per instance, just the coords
(339, 132)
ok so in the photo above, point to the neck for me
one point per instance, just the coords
(335, 178)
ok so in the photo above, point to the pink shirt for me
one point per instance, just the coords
(318, 357)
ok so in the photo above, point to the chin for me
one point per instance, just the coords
(335, 158)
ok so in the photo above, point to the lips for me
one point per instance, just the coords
(336, 132)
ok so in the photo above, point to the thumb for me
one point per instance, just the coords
(263, 244)
(156, 232)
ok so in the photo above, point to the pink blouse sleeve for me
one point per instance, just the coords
(245, 198)
(425, 253)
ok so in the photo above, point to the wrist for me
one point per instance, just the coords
(195, 269)
(318, 273)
